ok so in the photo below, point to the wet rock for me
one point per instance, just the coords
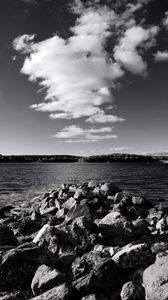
(134, 256)
(5, 211)
(60, 292)
(92, 184)
(141, 201)
(45, 279)
(109, 189)
(94, 272)
(132, 291)
(155, 279)
(7, 237)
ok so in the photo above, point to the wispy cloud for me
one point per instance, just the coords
(161, 56)
(76, 134)
(122, 148)
(103, 118)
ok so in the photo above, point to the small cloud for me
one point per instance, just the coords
(161, 56)
(103, 118)
(122, 148)
(127, 53)
(76, 134)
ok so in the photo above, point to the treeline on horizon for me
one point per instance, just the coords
(115, 157)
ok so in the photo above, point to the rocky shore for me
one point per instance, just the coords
(85, 242)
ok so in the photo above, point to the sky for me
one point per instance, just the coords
(83, 77)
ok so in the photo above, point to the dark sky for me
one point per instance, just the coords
(95, 72)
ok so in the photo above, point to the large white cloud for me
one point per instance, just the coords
(77, 73)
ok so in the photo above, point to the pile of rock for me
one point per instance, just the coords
(86, 242)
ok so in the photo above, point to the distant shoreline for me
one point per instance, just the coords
(110, 158)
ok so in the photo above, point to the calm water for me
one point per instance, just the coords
(20, 182)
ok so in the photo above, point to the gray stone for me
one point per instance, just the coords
(45, 279)
(132, 291)
(60, 292)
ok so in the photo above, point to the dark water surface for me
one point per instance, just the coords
(20, 181)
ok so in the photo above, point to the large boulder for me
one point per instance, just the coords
(60, 292)
(45, 279)
(132, 291)
(134, 256)
(155, 279)
(96, 272)
(51, 239)
(115, 225)
(7, 237)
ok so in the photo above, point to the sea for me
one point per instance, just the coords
(21, 182)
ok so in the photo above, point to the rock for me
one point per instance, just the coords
(110, 250)
(141, 201)
(159, 247)
(5, 211)
(115, 225)
(80, 194)
(78, 211)
(60, 292)
(65, 261)
(69, 203)
(132, 291)
(134, 256)
(161, 225)
(45, 279)
(137, 276)
(95, 271)
(7, 237)
(16, 295)
(118, 197)
(49, 210)
(18, 267)
(155, 279)
(92, 184)
(40, 233)
(140, 227)
(29, 226)
(94, 297)
(84, 233)
(109, 189)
